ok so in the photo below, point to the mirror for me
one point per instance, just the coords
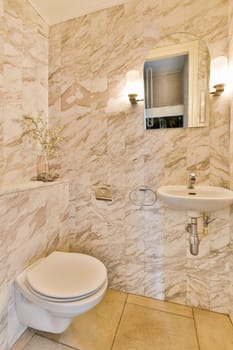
(176, 83)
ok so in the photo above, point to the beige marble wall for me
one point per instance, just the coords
(145, 249)
(23, 84)
(33, 223)
(230, 35)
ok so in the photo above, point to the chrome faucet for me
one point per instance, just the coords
(191, 180)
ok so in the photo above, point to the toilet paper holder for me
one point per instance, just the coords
(103, 192)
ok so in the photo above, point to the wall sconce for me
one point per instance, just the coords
(133, 86)
(218, 75)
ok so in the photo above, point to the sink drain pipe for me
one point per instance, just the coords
(193, 238)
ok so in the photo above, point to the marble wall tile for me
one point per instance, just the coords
(220, 295)
(15, 328)
(24, 84)
(175, 156)
(79, 212)
(172, 16)
(117, 275)
(116, 136)
(198, 154)
(12, 70)
(219, 155)
(230, 298)
(146, 250)
(4, 296)
(230, 52)
(198, 290)
(1, 92)
(219, 230)
(1, 7)
(154, 237)
(3, 249)
(54, 75)
(155, 279)
(134, 278)
(202, 18)
(220, 280)
(154, 159)
(151, 13)
(34, 223)
(175, 285)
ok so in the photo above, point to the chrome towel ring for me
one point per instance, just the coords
(143, 196)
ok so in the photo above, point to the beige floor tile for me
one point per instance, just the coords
(215, 331)
(161, 305)
(146, 329)
(39, 343)
(95, 330)
(23, 340)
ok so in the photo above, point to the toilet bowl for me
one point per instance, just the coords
(55, 289)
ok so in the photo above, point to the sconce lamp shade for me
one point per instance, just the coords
(133, 86)
(218, 76)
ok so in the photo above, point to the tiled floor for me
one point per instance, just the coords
(128, 322)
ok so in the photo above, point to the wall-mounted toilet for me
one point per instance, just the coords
(55, 289)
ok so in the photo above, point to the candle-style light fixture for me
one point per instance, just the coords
(218, 75)
(133, 85)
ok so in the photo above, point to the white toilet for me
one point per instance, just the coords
(55, 289)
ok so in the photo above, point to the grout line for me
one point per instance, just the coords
(21, 343)
(57, 342)
(230, 320)
(118, 325)
(27, 343)
(166, 312)
(195, 326)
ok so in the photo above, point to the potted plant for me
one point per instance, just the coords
(47, 140)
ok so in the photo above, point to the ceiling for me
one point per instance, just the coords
(56, 11)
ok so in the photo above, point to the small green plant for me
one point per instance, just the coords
(47, 139)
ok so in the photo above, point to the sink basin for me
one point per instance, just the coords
(199, 199)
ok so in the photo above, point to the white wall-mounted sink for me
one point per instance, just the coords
(199, 199)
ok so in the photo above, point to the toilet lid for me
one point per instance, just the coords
(66, 275)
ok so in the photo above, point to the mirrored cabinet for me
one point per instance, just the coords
(176, 83)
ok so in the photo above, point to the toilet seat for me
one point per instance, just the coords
(66, 277)
(63, 300)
